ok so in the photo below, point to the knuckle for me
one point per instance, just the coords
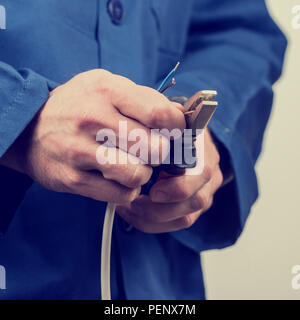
(86, 121)
(207, 172)
(186, 222)
(97, 75)
(131, 178)
(92, 79)
(72, 153)
(96, 81)
(160, 115)
(197, 201)
(108, 171)
(137, 177)
(183, 192)
(201, 201)
(102, 74)
(75, 181)
(104, 87)
(127, 195)
(76, 155)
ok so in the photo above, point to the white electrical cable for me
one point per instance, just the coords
(108, 226)
(106, 249)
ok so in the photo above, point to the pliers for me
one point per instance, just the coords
(197, 115)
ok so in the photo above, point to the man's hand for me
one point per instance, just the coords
(59, 148)
(176, 203)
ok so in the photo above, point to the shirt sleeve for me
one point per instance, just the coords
(22, 94)
(234, 47)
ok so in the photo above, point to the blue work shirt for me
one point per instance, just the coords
(50, 243)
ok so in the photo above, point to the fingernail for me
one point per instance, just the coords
(160, 196)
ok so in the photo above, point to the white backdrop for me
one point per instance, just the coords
(259, 265)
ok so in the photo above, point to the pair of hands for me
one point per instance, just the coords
(58, 150)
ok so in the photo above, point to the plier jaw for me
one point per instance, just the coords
(200, 111)
(197, 115)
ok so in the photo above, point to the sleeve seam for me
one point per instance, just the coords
(19, 95)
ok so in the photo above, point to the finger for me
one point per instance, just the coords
(179, 188)
(130, 172)
(165, 212)
(146, 105)
(152, 147)
(93, 185)
(150, 227)
(113, 163)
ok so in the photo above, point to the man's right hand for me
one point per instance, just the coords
(58, 149)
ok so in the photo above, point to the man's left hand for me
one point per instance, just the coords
(176, 203)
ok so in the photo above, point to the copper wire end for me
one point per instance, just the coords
(167, 86)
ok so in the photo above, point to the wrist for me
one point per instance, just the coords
(15, 157)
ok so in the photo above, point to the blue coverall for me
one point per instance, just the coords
(50, 242)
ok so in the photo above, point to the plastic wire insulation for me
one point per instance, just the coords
(106, 250)
(168, 77)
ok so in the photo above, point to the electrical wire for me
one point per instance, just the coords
(168, 77)
(167, 86)
(106, 250)
(109, 220)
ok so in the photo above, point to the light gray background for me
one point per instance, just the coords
(259, 265)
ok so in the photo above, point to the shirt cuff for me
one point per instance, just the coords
(22, 95)
(20, 102)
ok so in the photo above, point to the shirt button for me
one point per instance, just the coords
(116, 11)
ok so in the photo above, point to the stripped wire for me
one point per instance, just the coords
(168, 77)
(167, 86)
